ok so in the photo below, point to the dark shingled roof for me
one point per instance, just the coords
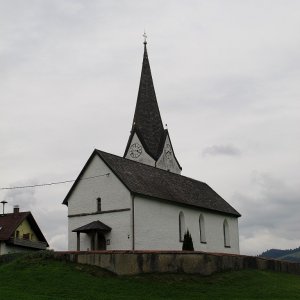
(10, 222)
(93, 226)
(147, 121)
(157, 183)
(150, 181)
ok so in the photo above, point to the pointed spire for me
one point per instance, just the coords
(145, 38)
(147, 120)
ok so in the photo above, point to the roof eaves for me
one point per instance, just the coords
(36, 228)
(187, 205)
(98, 152)
(65, 201)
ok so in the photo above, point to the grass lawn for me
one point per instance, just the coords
(34, 277)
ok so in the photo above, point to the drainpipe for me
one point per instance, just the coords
(133, 237)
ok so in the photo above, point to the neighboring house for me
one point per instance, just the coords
(19, 232)
(140, 201)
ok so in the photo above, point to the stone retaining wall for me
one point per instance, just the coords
(140, 262)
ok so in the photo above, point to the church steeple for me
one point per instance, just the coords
(147, 120)
(147, 126)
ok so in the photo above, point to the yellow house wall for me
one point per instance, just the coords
(24, 228)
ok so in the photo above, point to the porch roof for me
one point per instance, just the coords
(92, 227)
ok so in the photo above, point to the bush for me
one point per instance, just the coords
(187, 242)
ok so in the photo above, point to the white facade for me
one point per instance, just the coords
(139, 223)
(7, 249)
(115, 212)
(157, 227)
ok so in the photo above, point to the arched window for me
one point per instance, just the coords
(202, 229)
(226, 234)
(181, 226)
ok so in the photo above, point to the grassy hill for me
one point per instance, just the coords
(292, 255)
(40, 277)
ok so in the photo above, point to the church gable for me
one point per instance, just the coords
(167, 160)
(137, 152)
(97, 189)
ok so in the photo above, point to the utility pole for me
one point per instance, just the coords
(3, 203)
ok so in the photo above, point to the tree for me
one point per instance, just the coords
(187, 242)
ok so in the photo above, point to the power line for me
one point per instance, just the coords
(51, 183)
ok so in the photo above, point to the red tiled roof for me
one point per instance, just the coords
(10, 222)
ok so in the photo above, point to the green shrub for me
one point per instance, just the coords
(187, 242)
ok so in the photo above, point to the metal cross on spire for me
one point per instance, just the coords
(145, 37)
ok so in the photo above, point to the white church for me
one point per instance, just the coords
(140, 201)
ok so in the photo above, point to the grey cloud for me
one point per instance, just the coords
(70, 72)
(273, 208)
(216, 150)
(25, 198)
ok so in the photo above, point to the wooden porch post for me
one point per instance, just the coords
(78, 241)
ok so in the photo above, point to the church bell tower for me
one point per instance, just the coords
(149, 143)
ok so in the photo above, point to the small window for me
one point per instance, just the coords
(202, 229)
(17, 234)
(226, 234)
(181, 226)
(98, 204)
(26, 236)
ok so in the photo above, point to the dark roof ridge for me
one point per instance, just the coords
(149, 166)
(157, 183)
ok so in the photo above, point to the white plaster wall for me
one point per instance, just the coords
(114, 195)
(144, 158)
(168, 164)
(6, 249)
(157, 227)
(120, 237)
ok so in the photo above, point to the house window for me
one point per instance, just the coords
(26, 236)
(181, 226)
(98, 204)
(17, 234)
(226, 234)
(202, 229)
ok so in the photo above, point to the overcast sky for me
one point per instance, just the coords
(227, 79)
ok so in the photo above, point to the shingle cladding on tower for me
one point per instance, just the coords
(147, 122)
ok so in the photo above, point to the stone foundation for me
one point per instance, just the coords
(141, 262)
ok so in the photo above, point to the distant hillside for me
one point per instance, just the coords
(292, 255)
